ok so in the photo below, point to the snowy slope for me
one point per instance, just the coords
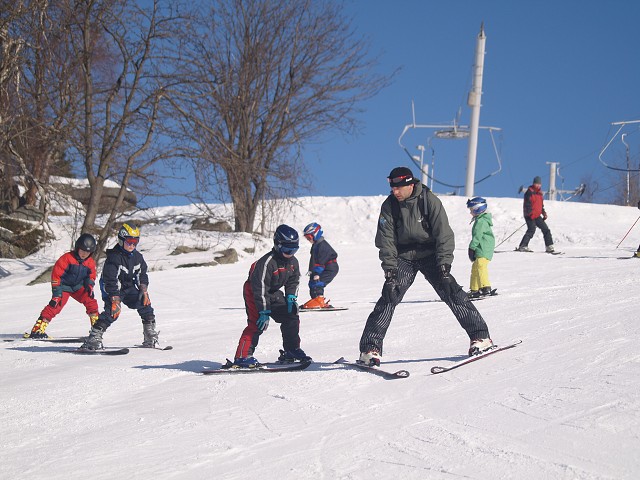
(563, 405)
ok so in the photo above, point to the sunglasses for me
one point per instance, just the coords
(131, 241)
(401, 179)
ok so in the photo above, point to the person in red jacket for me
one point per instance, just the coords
(535, 217)
(73, 275)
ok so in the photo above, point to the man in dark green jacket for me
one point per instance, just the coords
(414, 236)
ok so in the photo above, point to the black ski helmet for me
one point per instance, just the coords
(285, 240)
(86, 242)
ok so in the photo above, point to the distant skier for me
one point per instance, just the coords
(73, 275)
(637, 254)
(535, 216)
(323, 266)
(264, 299)
(414, 236)
(481, 247)
(124, 279)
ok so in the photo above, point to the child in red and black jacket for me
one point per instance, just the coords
(73, 275)
(265, 299)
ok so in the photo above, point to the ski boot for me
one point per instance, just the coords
(485, 291)
(371, 358)
(94, 340)
(549, 249)
(479, 346)
(38, 329)
(315, 303)
(150, 335)
(523, 248)
(474, 294)
(246, 362)
(290, 356)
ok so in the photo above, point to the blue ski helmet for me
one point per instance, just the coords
(313, 230)
(477, 205)
(285, 240)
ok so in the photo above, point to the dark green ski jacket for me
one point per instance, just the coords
(413, 236)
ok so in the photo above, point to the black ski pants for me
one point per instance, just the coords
(379, 320)
(532, 224)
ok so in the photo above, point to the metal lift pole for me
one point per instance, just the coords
(474, 102)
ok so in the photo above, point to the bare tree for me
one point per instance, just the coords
(266, 77)
(123, 79)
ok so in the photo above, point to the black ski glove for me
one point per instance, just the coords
(447, 282)
(472, 254)
(390, 289)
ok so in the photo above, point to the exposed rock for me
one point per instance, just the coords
(206, 264)
(204, 224)
(184, 249)
(227, 256)
(109, 196)
(44, 277)
(15, 243)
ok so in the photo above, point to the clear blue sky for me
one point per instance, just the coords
(556, 74)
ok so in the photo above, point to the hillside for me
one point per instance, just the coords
(562, 405)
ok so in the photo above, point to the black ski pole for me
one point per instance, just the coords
(512, 234)
(634, 224)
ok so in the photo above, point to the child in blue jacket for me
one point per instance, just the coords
(323, 266)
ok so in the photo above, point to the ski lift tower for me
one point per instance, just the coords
(628, 170)
(474, 102)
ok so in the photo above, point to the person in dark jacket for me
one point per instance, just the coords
(323, 267)
(637, 254)
(416, 238)
(535, 216)
(124, 279)
(73, 275)
(264, 299)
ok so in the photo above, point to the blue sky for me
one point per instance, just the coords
(556, 74)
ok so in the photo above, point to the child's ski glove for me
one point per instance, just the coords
(88, 287)
(263, 320)
(143, 296)
(292, 304)
(56, 297)
(115, 307)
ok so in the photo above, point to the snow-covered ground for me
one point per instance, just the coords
(565, 404)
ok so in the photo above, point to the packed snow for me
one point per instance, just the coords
(565, 404)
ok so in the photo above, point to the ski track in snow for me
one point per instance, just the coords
(565, 404)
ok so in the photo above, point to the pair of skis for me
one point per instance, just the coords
(434, 370)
